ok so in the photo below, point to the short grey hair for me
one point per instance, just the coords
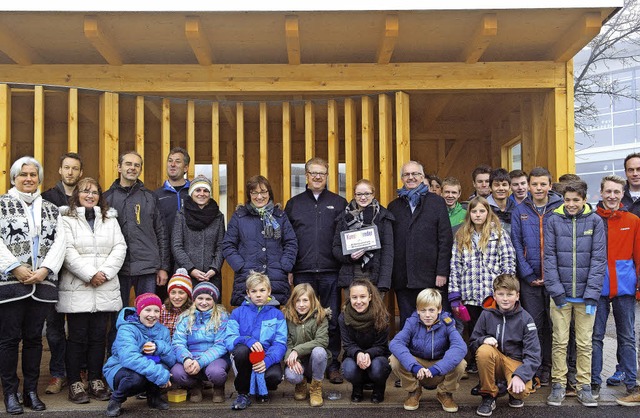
(411, 162)
(17, 167)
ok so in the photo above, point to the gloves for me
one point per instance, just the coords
(590, 309)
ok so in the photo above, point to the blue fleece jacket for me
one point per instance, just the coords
(200, 344)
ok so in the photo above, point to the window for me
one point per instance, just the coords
(299, 180)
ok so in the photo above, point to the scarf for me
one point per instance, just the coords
(357, 217)
(359, 321)
(198, 219)
(270, 226)
(413, 195)
(27, 199)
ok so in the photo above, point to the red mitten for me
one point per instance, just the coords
(256, 356)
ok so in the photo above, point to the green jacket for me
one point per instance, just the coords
(306, 336)
(457, 214)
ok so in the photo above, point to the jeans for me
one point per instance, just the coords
(377, 373)
(624, 315)
(242, 368)
(86, 343)
(326, 287)
(215, 372)
(145, 283)
(129, 383)
(535, 300)
(56, 339)
(21, 320)
(313, 366)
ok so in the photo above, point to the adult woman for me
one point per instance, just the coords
(31, 253)
(89, 285)
(260, 238)
(376, 265)
(197, 234)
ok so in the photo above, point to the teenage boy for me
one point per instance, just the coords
(620, 284)
(506, 344)
(500, 184)
(258, 325)
(519, 186)
(527, 235)
(451, 191)
(480, 178)
(574, 266)
(429, 351)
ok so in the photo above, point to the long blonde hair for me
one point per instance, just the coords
(465, 233)
(290, 312)
(217, 311)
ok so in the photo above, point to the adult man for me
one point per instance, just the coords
(70, 172)
(632, 189)
(422, 240)
(519, 186)
(451, 191)
(620, 282)
(480, 177)
(313, 214)
(147, 260)
(499, 201)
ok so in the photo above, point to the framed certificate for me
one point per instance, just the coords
(360, 239)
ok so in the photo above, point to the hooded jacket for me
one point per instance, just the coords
(504, 216)
(440, 342)
(200, 344)
(303, 338)
(575, 256)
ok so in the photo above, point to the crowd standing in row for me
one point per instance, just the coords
(75, 253)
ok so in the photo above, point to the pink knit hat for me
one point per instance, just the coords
(147, 299)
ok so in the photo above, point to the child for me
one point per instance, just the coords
(256, 326)
(575, 262)
(141, 356)
(481, 251)
(364, 328)
(505, 340)
(179, 289)
(307, 341)
(429, 350)
(199, 345)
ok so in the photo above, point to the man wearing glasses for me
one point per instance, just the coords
(422, 240)
(313, 214)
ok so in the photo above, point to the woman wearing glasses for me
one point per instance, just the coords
(89, 286)
(375, 265)
(260, 238)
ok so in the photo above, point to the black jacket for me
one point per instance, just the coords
(627, 202)
(422, 242)
(56, 195)
(314, 223)
(371, 341)
(143, 229)
(170, 202)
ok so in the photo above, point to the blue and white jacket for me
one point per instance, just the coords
(200, 344)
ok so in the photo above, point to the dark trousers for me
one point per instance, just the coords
(56, 340)
(21, 320)
(143, 283)
(474, 313)
(242, 368)
(86, 343)
(326, 287)
(377, 373)
(535, 300)
(406, 303)
(129, 383)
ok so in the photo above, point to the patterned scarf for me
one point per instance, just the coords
(357, 218)
(359, 321)
(413, 195)
(270, 226)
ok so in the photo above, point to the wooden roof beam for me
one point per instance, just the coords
(198, 41)
(579, 35)
(18, 51)
(482, 37)
(389, 39)
(433, 110)
(101, 41)
(292, 33)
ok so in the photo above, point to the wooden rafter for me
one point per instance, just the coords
(577, 37)
(452, 158)
(482, 37)
(229, 114)
(292, 33)
(198, 41)
(433, 111)
(16, 49)
(100, 41)
(388, 40)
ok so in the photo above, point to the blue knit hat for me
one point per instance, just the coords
(207, 289)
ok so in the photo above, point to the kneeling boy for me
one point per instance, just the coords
(505, 340)
(429, 351)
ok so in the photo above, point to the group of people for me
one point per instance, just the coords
(473, 293)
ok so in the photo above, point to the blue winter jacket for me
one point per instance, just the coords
(575, 256)
(200, 344)
(127, 349)
(249, 324)
(441, 342)
(245, 248)
(527, 236)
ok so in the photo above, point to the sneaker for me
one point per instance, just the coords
(335, 377)
(77, 393)
(545, 378)
(616, 379)
(632, 389)
(571, 390)
(472, 369)
(595, 390)
(557, 395)
(114, 408)
(632, 399)
(98, 390)
(447, 402)
(515, 403)
(55, 385)
(585, 397)
(413, 399)
(241, 402)
(487, 406)
(84, 376)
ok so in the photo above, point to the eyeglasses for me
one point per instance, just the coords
(367, 194)
(414, 174)
(256, 194)
(316, 174)
(90, 192)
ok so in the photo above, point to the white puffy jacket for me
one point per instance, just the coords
(88, 252)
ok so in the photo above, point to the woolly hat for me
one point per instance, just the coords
(147, 299)
(180, 280)
(200, 181)
(207, 289)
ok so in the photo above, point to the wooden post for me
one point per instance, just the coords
(286, 151)
(140, 130)
(264, 140)
(108, 139)
(309, 130)
(333, 146)
(215, 151)
(165, 139)
(350, 149)
(38, 124)
(403, 140)
(191, 138)
(368, 133)
(72, 121)
(240, 152)
(5, 136)
(385, 120)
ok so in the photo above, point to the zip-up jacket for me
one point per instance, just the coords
(370, 341)
(200, 344)
(456, 214)
(303, 338)
(575, 256)
(440, 342)
(504, 216)
(516, 334)
(170, 202)
(56, 195)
